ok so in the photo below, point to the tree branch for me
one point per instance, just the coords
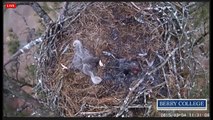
(25, 49)
(37, 8)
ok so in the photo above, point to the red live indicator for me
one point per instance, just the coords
(10, 5)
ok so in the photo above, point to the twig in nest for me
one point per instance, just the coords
(75, 16)
(100, 113)
(148, 110)
(64, 11)
(135, 6)
(178, 20)
(117, 107)
(167, 59)
(165, 78)
(127, 99)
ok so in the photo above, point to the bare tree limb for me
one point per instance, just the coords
(37, 8)
(64, 11)
(23, 3)
(25, 49)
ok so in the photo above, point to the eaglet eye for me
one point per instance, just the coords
(76, 43)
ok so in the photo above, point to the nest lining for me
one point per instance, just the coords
(125, 32)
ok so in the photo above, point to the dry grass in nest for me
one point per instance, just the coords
(112, 27)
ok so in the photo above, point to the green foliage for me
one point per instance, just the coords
(56, 4)
(200, 89)
(39, 32)
(56, 7)
(13, 44)
(46, 7)
(31, 70)
(205, 92)
(12, 35)
(9, 112)
(201, 14)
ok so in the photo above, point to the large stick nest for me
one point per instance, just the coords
(152, 36)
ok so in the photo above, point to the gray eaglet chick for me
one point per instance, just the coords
(84, 61)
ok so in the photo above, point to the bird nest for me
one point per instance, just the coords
(142, 50)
